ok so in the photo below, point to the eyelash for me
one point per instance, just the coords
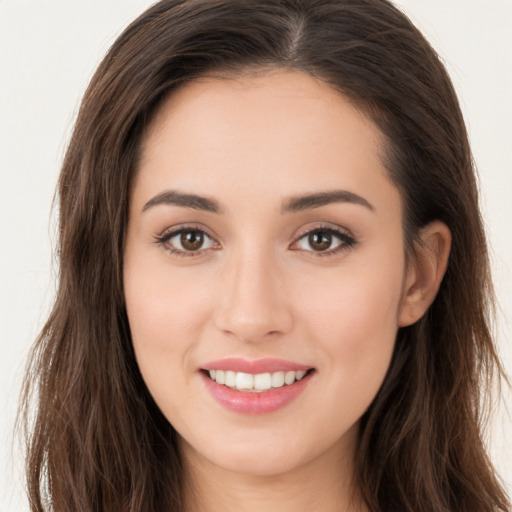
(347, 241)
(164, 239)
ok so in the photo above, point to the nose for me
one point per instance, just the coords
(252, 304)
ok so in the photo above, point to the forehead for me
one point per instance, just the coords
(283, 131)
(278, 98)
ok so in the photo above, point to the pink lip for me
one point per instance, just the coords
(255, 403)
(236, 364)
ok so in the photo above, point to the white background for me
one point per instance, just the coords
(48, 51)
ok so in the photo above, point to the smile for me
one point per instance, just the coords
(255, 387)
(255, 383)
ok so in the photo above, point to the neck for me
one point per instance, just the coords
(325, 483)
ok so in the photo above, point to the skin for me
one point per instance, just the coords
(257, 288)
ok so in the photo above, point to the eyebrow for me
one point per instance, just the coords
(173, 197)
(319, 199)
(294, 204)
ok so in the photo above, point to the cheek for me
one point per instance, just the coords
(356, 299)
(165, 313)
(353, 318)
(163, 305)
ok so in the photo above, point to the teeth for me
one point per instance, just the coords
(244, 380)
(230, 379)
(255, 383)
(262, 381)
(289, 378)
(277, 379)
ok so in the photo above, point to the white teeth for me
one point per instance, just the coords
(277, 379)
(220, 376)
(244, 380)
(289, 378)
(230, 379)
(255, 383)
(262, 381)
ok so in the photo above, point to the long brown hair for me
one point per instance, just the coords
(96, 441)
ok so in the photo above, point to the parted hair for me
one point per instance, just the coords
(95, 439)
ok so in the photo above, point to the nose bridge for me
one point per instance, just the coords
(252, 304)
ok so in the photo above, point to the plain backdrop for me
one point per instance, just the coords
(48, 51)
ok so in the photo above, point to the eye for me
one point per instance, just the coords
(325, 241)
(186, 241)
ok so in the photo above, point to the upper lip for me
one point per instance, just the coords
(267, 365)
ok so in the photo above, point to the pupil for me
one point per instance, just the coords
(191, 240)
(320, 241)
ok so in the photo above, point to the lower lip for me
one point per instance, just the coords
(255, 403)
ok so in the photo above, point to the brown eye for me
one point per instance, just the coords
(187, 242)
(324, 241)
(320, 240)
(192, 240)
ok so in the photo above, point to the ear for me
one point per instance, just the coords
(425, 272)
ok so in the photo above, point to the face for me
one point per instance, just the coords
(264, 249)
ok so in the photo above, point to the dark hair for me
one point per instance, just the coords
(97, 441)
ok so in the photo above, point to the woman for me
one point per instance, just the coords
(266, 296)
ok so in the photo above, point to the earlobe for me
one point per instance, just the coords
(425, 272)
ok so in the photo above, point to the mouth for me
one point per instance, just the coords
(255, 387)
(256, 383)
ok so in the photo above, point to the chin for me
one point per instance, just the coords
(251, 463)
(264, 454)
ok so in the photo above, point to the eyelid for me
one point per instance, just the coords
(347, 238)
(173, 231)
